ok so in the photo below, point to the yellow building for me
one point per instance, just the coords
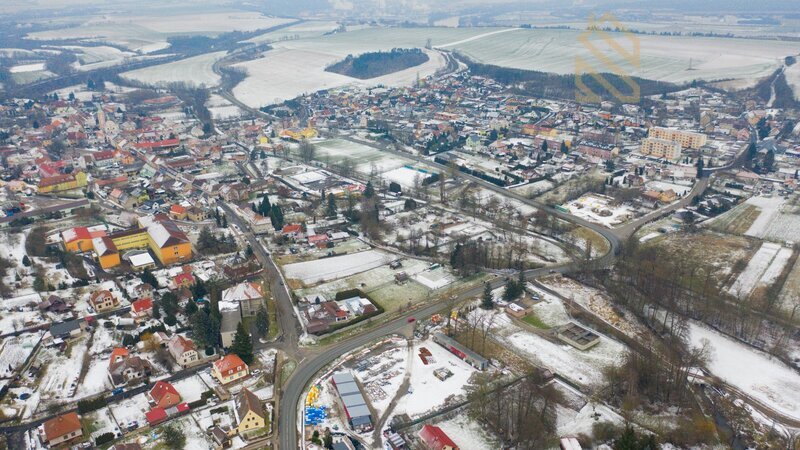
(79, 239)
(229, 369)
(687, 139)
(157, 233)
(61, 183)
(107, 253)
(661, 148)
(250, 414)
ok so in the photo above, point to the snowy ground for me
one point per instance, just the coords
(467, 433)
(775, 222)
(751, 371)
(130, 410)
(430, 393)
(572, 423)
(327, 269)
(595, 208)
(222, 109)
(190, 389)
(383, 377)
(15, 350)
(764, 267)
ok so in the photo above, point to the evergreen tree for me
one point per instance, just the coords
(331, 211)
(199, 289)
(487, 302)
(369, 191)
(544, 145)
(224, 221)
(769, 160)
(564, 148)
(26, 261)
(262, 321)
(276, 216)
(190, 308)
(242, 344)
(156, 309)
(147, 277)
(700, 167)
(201, 328)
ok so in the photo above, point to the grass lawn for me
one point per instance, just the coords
(533, 319)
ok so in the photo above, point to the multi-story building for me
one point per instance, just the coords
(229, 369)
(102, 301)
(61, 183)
(247, 296)
(687, 139)
(183, 350)
(661, 148)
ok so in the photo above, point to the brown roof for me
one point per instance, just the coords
(247, 401)
(61, 425)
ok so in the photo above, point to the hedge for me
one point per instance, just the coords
(85, 406)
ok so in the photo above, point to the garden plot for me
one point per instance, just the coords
(195, 71)
(598, 209)
(100, 422)
(327, 269)
(753, 372)
(190, 389)
(789, 297)
(15, 350)
(663, 58)
(764, 267)
(428, 393)
(96, 378)
(769, 207)
(61, 369)
(132, 409)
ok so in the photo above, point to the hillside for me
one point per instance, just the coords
(375, 64)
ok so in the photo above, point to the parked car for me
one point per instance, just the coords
(411, 319)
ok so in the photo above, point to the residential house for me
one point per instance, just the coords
(229, 368)
(196, 214)
(183, 350)
(55, 304)
(249, 412)
(68, 329)
(128, 369)
(163, 395)
(177, 212)
(247, 295)
(227, 330)
(61, 429)
(142, 309)
(102, 301)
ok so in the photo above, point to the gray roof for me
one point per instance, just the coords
(354, 399)
(347, 388)
(64, 328)
(444, 339)
(343, 377)
(359, 414)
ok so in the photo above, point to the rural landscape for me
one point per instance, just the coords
(427, 225)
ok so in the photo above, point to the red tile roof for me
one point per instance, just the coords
(142, 305)
(228, 363)
(62, 425)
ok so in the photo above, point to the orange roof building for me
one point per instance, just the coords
(62, 428)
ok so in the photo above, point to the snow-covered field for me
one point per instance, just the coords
(15, 350)
(664, 58)
(327, 269)
(222, 109)
(382, 379)
(405, 176)
(197, 71)
(364, 157)
(775, 222)
(753, 372)
(145, 34)
(764, 267)
(129, 410)
(792, 74)
(582, 367)
(23, 68)
(295, 68)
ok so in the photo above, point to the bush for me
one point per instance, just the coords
(103, 438)
(349, 293)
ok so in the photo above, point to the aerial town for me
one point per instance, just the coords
(465, 259)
